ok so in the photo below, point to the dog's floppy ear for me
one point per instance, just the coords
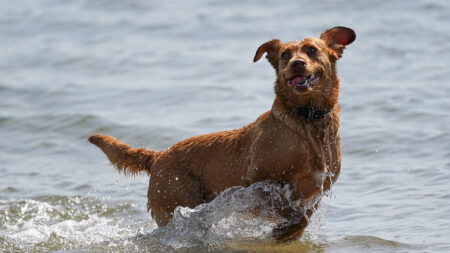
(337, 38)
(271, 48)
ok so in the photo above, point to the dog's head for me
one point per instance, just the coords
(306, 69)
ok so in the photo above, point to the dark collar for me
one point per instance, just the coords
(311, 113)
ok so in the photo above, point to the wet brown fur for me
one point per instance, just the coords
(281, 146)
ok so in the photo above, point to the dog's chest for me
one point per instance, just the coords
(280, 151)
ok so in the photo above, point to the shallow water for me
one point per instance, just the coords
(154, 72)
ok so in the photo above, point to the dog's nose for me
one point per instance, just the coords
(298, 65)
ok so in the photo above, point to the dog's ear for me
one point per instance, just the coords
(337, 38)
(271, 48)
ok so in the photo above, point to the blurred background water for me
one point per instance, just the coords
(154, 72)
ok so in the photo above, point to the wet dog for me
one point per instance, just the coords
(296, 143)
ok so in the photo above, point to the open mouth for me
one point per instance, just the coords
(303, 83)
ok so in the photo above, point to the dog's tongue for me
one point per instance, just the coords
(296, 81)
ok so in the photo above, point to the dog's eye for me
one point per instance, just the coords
(286, 55)
(312, 50)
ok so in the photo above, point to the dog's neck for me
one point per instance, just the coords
(310, 113)
(293, 116)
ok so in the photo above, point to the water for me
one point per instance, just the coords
(155, 72)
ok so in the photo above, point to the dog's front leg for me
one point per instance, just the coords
(293, 229)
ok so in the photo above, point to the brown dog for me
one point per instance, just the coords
(296, 143)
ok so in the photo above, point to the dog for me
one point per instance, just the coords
(296, 143)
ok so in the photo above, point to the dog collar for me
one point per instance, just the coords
(310, 113)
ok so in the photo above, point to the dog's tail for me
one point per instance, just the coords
(126, 159)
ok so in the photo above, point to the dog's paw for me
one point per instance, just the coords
(287, 231)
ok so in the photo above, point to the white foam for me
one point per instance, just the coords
(36, 222)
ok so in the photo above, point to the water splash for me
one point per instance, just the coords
(236, 214)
